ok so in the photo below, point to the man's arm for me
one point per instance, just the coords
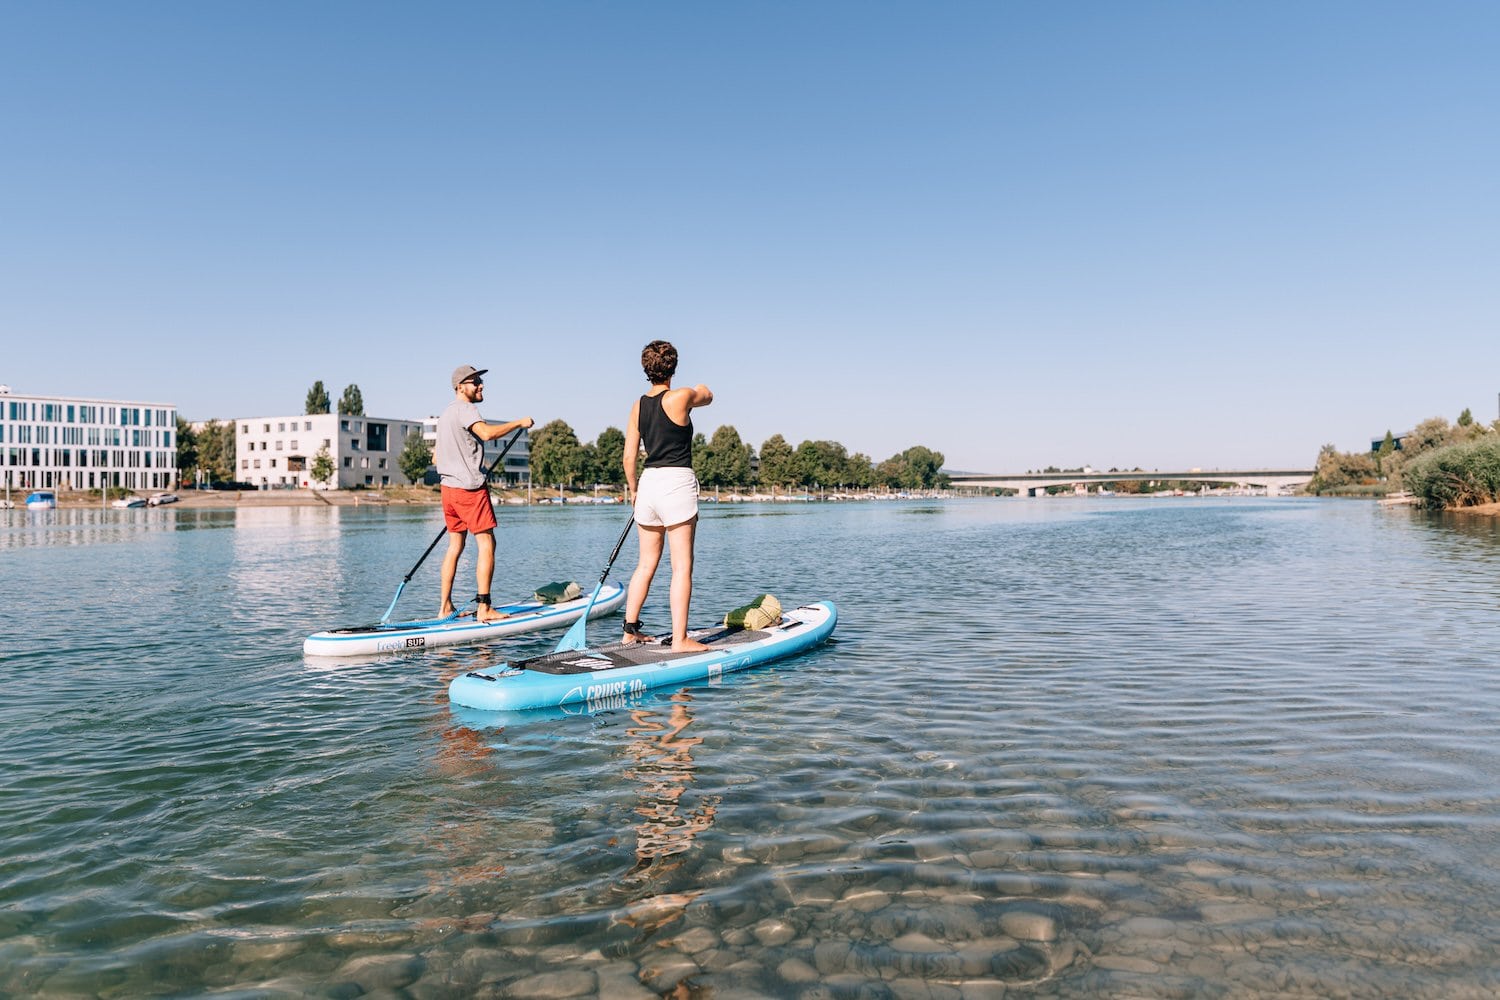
(486, 431)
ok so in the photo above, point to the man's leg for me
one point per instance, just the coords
(484, 575)
(450, 570)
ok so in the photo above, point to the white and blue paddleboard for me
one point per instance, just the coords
(602, 675)
(525, 616)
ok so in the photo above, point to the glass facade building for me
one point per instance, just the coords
(62, 443)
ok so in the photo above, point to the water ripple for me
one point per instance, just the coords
(1070, 748)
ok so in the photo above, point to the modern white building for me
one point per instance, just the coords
(279, 452)
(62, 443)
(514, 471)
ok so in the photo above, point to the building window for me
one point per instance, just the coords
(257, 463)
(348, 462)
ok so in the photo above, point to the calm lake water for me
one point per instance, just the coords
(1074, 748)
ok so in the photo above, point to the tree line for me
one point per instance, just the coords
(1388, 466)
(558, 457)
(724, 460)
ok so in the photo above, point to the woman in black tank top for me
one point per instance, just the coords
(666, 494)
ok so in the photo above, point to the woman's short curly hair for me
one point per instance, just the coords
(659, 360)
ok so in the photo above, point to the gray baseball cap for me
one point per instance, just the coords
(463, 373)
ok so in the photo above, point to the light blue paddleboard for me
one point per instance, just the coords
(601, 675)
(525, 616)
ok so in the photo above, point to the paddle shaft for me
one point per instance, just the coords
(487, 473)
(574, 638)
(616, 553)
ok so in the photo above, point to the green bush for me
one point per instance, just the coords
(1460, 475)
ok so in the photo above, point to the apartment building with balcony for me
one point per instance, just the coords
(279, 452)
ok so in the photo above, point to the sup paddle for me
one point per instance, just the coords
(575, 637)
(407, 579)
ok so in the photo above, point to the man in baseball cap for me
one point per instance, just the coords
(467, 508)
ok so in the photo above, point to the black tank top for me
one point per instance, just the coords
(668, 446)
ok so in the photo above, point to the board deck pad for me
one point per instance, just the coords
(636, 654)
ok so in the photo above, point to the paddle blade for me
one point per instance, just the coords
(385, 618)
(577, 635)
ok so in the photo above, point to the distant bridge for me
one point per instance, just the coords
(1032, 483)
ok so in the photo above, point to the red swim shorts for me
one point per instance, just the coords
(468, 510)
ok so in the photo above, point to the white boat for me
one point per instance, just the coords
(42, 500)
(125, 503)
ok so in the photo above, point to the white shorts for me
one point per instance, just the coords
(666, 497)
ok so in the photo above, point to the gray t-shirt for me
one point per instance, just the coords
(459, 455)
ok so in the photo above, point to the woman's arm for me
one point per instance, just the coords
(632, 448)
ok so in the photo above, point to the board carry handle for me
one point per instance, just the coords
(385, 618)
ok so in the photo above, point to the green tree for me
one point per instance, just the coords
(925, 467)
(353, 401)
(187, 451)
(1465, 418)
(916, 468)
(216, 451)
(1336, 469)
(777, 462)
(730, 459)
(1433, 432)
(820, 463)
(322, 466)
(610, 457)
(415, 458)
(317, 399)
(859, 472)
(702, 458)
(556, 456)
(1385, 451)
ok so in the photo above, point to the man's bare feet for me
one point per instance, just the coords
(686, 645)
(487, 614)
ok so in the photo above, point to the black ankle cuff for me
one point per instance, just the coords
(633, 628)
(482, 599)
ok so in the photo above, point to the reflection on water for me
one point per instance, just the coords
(1079, 748)
(662, 756)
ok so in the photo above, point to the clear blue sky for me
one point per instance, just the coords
(1020, 233)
